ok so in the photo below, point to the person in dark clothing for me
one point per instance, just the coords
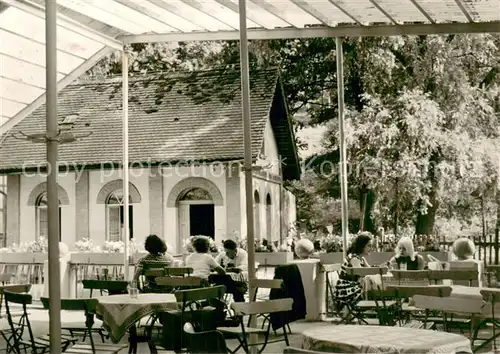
(233, 260)
(348, 290)
(406, 258)
(292, 288)
(157, 257)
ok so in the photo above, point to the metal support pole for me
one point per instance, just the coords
(247, 139)
(126, 230)
(343, 153)
(52, 172)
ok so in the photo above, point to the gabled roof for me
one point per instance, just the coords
(186, 117)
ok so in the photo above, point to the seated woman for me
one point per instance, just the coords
(202, 263)
(156, 258)
(349, 290)
(406, 258)
(463, 250)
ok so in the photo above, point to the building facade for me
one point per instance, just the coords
(201, 193)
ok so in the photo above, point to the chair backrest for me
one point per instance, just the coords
(87, 306)
(449, 304)
(211, 342)
(179, 282)
(262, 307)
(292, 350)
(18, 288)
(178, 271)
(266, 283)
(364, 271)
(24, 300)
(72, 304)
(402, 275)
(407, 291)
(194, 295)
(113, 287)
(468, 275)
(256, 284)
(154, 272)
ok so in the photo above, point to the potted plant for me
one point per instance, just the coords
(34, 252)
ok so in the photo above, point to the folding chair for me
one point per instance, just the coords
(491, 297)
(75, 331)
(210, 342)
(404, 292)
(178, 271)
(357, 311)
(330, 293)
(194, 309)
(241, 333)
(7, 333)
(455, 275)
(292, 350)
(112, 287)
(257, 284)
(37, 345)
(411, 277)
(87, 307)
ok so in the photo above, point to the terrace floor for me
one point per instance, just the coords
(40, 323)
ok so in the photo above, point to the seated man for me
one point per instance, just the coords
(234, 260)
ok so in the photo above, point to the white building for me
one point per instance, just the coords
(185, 148)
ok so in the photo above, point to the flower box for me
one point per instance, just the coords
(23, 257)
(273, 258)
(377, 258)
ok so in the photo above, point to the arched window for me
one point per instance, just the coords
(269, 218)
(42, 220)
(114, 216)
(256, 214)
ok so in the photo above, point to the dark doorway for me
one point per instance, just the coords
(202, 220)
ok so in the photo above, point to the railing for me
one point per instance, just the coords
(24, 272)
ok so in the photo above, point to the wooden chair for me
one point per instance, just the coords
(112, 287)
(7, 333)
(330, 293)
(242, 309)
(492, 298)
(87, 307)
(67, 305)
(178, 271)
(36, 345)
(257, 284)
(379, 305)
(179, 283)
(404, 292)
(194, 304)
(210, 342)
(455, 275)
(292, 350)
(411, 277)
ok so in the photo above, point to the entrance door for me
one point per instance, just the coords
(202, 220)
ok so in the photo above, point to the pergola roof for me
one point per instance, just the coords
(90, 29)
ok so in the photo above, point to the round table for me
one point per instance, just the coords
(120, 312)
(382, 339)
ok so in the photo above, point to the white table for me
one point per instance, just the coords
(121, 312)
(382, 339)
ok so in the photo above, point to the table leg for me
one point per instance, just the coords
(132, 349)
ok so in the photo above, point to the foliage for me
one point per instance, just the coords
(421, 122)
(87, 245)
(37, 246)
